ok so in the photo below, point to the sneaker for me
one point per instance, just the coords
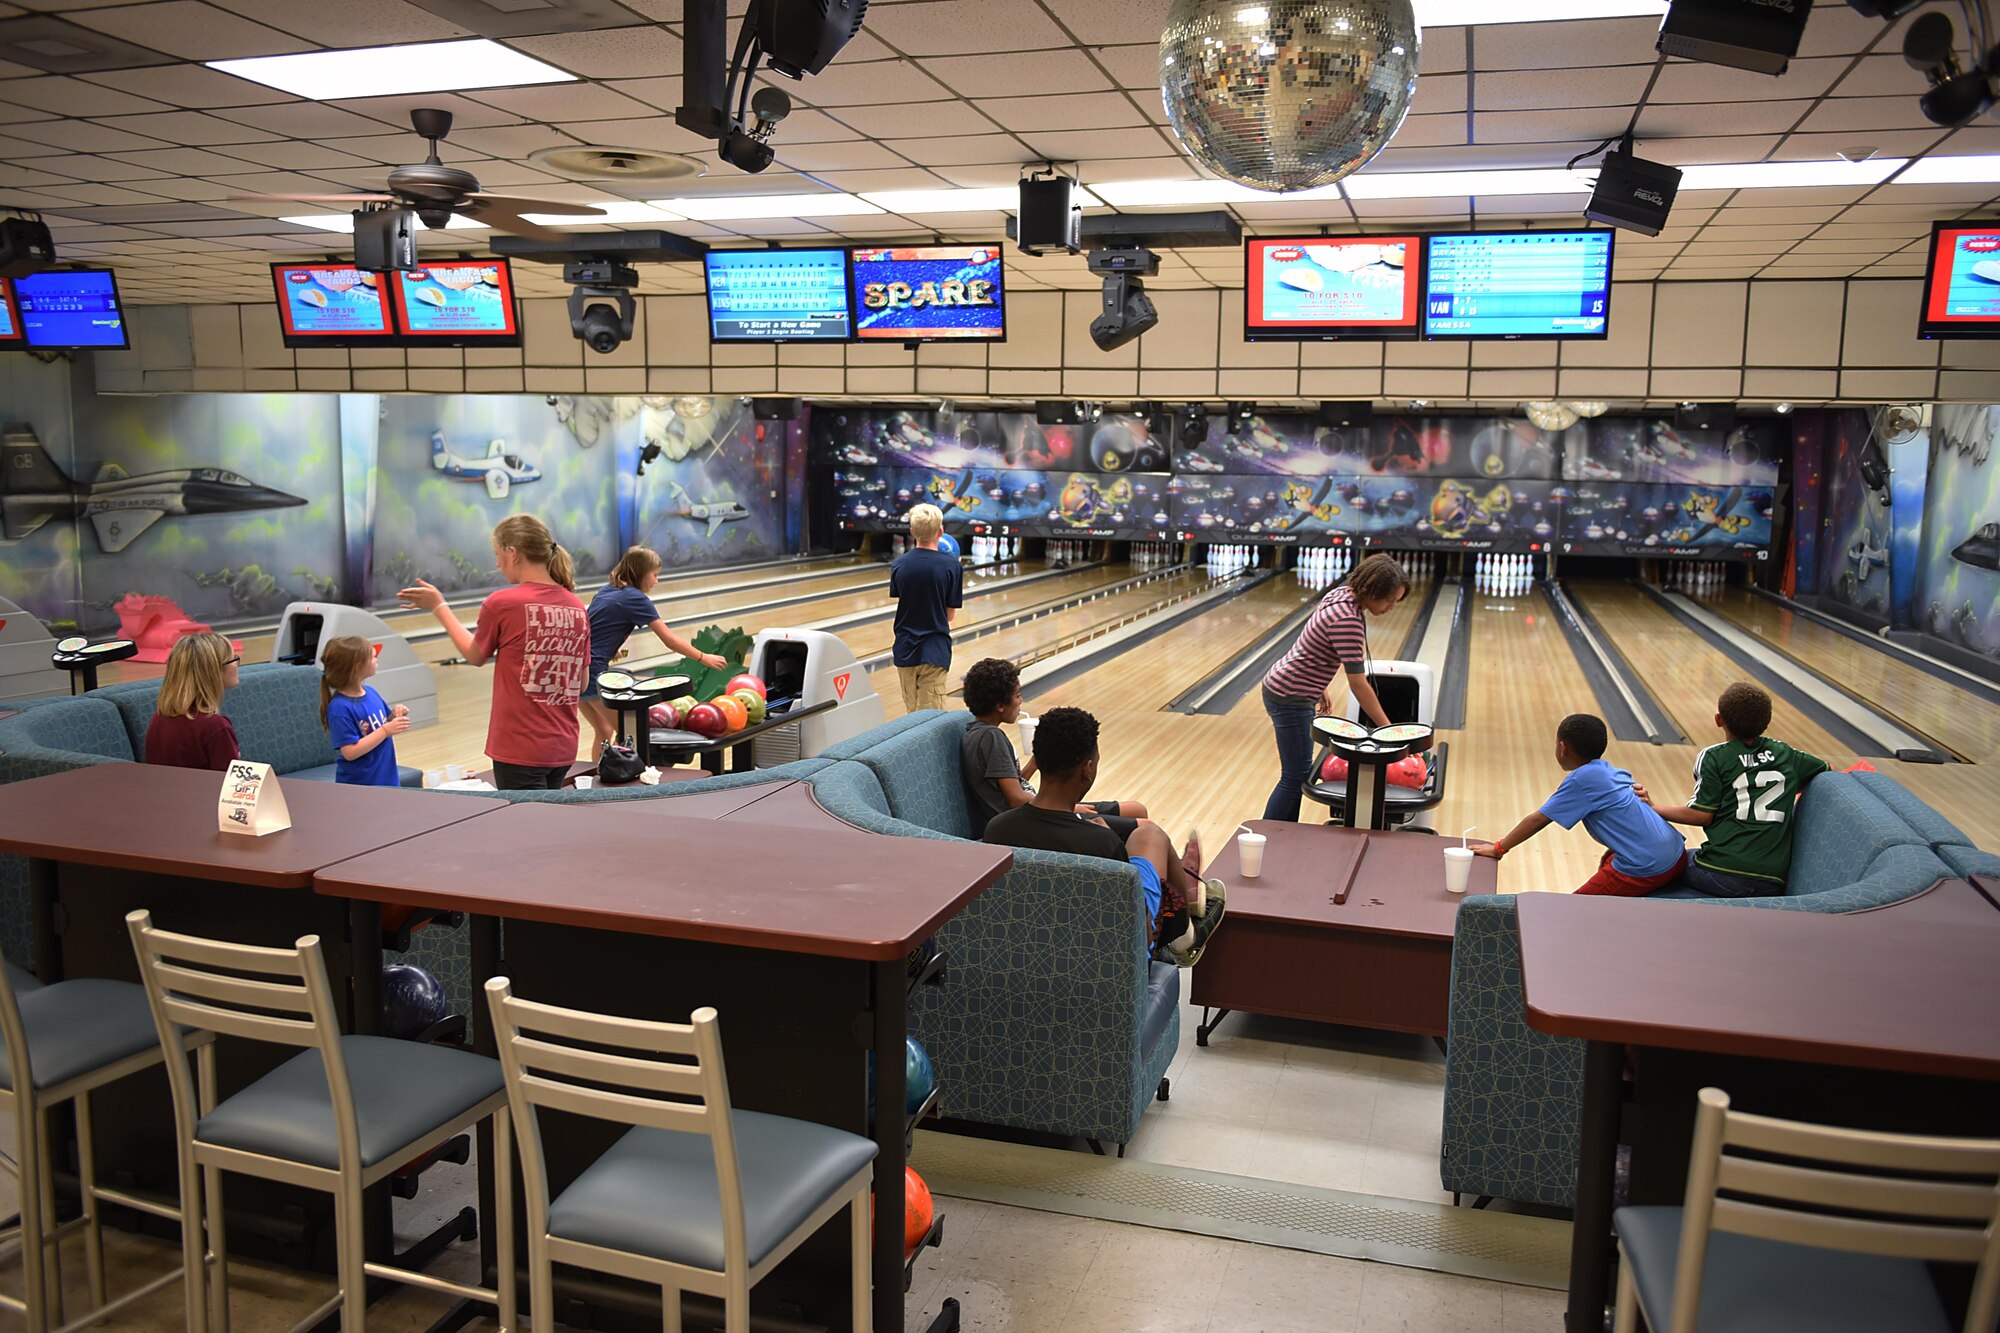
(1207, 892)
(1204, 930)
(1191, 853)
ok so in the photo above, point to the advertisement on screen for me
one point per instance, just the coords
(330, 303)
(778, 296)
(929, 293)
(1330, 286)
(1962, 283)
(77, 307)
(471, 302)
(1518, 285)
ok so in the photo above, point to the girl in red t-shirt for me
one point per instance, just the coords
(188, 729)
(538, 638)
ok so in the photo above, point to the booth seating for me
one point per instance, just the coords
(694, 1196)
(62, 1043)
(1513, 1097)
(342, 1115)
(1054, 1019)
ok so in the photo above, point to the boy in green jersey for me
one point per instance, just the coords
(1745, 792)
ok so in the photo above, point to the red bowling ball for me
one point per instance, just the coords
(664, 717)
(706, 720)
(746, 681)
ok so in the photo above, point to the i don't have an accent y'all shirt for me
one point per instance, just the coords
(1752, 789)
(538, 638)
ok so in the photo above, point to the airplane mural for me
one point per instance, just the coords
(714, 512)
(500, 470)
(120, 506)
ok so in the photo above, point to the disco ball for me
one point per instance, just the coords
(1287, 94)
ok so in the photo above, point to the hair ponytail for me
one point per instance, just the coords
(560, 567)
(529, 538)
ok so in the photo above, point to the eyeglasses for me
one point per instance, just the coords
(232, 661)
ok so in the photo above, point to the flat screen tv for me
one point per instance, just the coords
(332, 305)
(71, 309)
(458, 303)
(11, 337)
(1518, 284)
(1962, 282)
(1323, 287)
(778, 296)
(929, 293)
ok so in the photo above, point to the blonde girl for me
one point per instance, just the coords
(188, 729)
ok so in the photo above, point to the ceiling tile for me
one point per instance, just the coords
(1533, 90)
(385, 22)
(295, 156)
(1566, 46)
(929, 119)
(58, 95)
(852, 156)
(864, 85)
(1718, 83)
(192, 30)
(394, 112)
(1081, 111)
(1083, 145)
(950, 27)
(977, 150)
(654, 132)
(192, 129)
(566, 102)
(979, 76)
(306, 120)
(1132, 66)
(509, 141)
(1108, 22)
(614, 53)
(82, 136)
(177, 85)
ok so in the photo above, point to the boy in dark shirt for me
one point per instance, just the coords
(1066, 754)
(928, 586)
(994, 780)
(1746, 788)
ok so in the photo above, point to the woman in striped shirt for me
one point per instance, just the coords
(1300, 685)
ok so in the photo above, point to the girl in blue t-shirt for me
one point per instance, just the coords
(621, 606)
(361, 724)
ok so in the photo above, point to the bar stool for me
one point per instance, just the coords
(71, 1039)
(341, 1115)
(695, 1196)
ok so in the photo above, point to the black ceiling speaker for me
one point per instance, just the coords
(1633, 193)
(25, 247)
(1049, 217)
(1758, 35)
(802, 37)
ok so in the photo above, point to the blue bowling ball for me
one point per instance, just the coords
(919, 1077)
(948, 544)
(412, 1000)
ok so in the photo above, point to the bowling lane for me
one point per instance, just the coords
(1963, 721)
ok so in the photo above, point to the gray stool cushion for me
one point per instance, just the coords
(1752, 1285)
(655, 1193)
(402, 1090)
(77, 1026)
(22, 980)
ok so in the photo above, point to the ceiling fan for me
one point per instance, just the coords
(434, 191)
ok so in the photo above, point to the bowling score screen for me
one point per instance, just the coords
(778, 296)
(1331, 287)
(1522, 284)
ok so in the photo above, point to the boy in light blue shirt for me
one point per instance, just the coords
(1642, 854)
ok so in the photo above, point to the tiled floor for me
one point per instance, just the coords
(1283, 1101)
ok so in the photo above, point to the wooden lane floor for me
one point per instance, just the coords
(1965, 722)
(1032, 638)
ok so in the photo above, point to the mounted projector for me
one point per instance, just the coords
(1127, 311)
(25, 247)
(385, 240)
(1633, 193)
(1758, 35)
(1050, 218)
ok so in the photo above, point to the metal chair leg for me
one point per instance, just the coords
(670, 1309)
(58, 1313)
(1625, 1314)
(351, 1242)
(861, 1245)
(218, 1249)
(504, 1277)
(93, 1226)
(194, 1244)
(28, 1160)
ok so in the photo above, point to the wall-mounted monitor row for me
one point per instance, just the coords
(1465, 285)
(1962, 281)
(458, 303)
(62, 309)
(905, 293)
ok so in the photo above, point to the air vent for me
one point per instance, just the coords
(58, 47)
(614, 164)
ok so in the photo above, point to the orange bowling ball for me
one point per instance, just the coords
(733, 711)
(918, 1209)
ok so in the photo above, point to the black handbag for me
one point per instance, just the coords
(618, 765)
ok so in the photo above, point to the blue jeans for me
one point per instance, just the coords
(1722, 884)
(1291, 720)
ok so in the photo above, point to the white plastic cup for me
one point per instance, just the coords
(585, 783)
(454, 772)
(1250, 854)
(1026, 725)
(433, 777)
(1457, 869)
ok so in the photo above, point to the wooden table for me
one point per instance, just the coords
(800, 942)
(106, 840)
(1379, 959)
(1878, 1019)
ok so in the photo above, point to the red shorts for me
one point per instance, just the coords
(1617, 884)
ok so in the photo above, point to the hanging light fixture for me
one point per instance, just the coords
(1588, 408)
(691, 407)
(1551, 416)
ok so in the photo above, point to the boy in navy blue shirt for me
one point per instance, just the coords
(1643, 853)
(929, 587)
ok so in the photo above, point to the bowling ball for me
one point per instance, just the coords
(663, 717)
(919, 1210)
(746, 681)
(920, 1078)
(706, 720)
(753, 704)
(412, 1000)
(948, 544)
(734, 714)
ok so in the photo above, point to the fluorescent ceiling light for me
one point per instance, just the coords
(1462, 13)
(1783, 175)
(1144, 194)
(983, 199)
(614, 211)
(1973, 170)
(1445, 184)
(746, 207)
(384, 71)
(344, 222)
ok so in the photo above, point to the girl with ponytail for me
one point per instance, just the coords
(536, 635)
(621, 606)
